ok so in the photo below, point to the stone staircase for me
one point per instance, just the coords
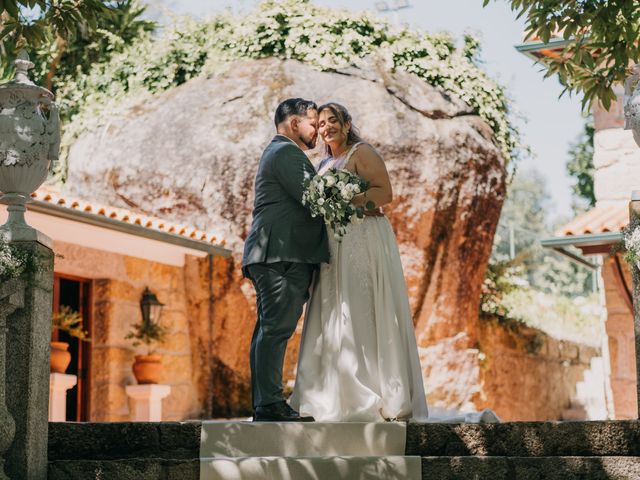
(508, 451)
(589, 401)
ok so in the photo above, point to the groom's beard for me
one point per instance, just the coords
(310, 143)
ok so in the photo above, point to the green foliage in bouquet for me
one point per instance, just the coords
(324, 38)
(147, 333)
(70, 321)
(329, 196)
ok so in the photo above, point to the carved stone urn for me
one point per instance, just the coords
(632, 103)
(29, 144)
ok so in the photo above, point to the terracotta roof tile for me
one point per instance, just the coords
(597, 220)
(50, 195)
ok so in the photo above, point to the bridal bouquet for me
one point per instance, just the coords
(329, 196)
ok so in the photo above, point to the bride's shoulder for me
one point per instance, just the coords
(365, 151)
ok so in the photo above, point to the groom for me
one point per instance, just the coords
(283, 248)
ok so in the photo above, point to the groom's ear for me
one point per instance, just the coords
(294, 122)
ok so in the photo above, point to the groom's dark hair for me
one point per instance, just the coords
(293, 106)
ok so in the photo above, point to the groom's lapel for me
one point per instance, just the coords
(283, 138)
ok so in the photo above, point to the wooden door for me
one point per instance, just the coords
(76, 293)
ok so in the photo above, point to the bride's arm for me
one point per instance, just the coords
(369, 165)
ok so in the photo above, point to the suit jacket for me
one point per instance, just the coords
(282, 228)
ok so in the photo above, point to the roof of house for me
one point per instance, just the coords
(50, 196)
(597, 220)
(592, 232)
(536, 49)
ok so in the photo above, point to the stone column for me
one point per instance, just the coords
(27, 367)
(59, 383)
(147, 401)
(11, 297)
(634, 217)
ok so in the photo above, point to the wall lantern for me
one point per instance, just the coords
(150, 306)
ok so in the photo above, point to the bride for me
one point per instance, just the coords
(358, 357)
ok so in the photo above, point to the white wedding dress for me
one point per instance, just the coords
(358, 359)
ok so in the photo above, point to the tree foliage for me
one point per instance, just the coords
(526, 214)
(580, 166)
(602, 40)
(66, 37)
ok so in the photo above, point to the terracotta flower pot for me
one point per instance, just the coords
(147, 369)
(60, 357)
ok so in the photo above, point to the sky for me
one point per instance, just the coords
(550, 124)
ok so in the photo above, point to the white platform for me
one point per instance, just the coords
(59, 383)
(301, 451)
(316, 468)
(147, 401)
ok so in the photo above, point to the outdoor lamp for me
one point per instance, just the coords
(632, 103)
(150, 306)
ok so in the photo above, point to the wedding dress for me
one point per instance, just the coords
(358, 359)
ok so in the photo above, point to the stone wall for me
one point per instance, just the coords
(621, 338)
(519, 372)
(118, 285)
(617, 173)
(616, 156)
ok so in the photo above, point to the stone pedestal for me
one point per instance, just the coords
(11, 297)
(147, 401)
(59, 383)
(27, 366)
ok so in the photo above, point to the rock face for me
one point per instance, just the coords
(191, 153)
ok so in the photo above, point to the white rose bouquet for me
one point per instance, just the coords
(329, 196)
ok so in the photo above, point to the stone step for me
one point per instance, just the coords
(98, 441)
(536, 468)
(525, 439)
(292, 439)
(124, 469)
(311, 468)
(181, 440)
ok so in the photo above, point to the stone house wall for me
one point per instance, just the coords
(519, 372)
(621, 339)
(118, 285)
(527, 375)
(617, 173)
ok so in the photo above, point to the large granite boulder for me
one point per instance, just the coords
(190, 155)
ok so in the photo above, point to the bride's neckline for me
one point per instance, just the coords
(340, 161)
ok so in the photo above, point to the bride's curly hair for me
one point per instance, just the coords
(344, 117)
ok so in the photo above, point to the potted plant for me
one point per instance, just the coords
(149, 332)
(147, 368)
(70, 321)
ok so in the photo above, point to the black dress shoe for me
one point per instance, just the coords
(278, 412)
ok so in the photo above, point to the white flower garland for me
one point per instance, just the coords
(324, 38)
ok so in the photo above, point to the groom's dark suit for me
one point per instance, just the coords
(283, 248)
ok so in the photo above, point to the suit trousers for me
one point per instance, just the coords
(282, 288)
